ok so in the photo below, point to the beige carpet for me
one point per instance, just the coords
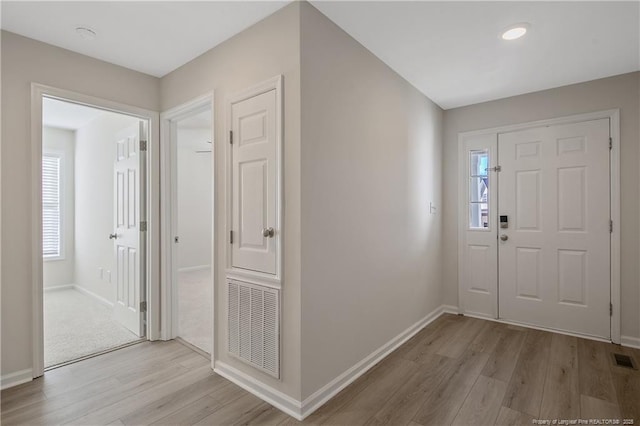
(195, 308)
(76, 325)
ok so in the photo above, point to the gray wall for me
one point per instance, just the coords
(25, 61)
(194, 197)
(269, 48)
(614, 92)
(371, 163)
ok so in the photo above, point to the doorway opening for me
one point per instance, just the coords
(193, 223)
(93, 230)
(188, 207)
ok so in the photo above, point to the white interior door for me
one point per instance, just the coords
(554, 264)
(253, 221)
(479, 270)
(128, 236)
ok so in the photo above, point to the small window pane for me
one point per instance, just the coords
(479, 161)
(479, 215)
(479, 189)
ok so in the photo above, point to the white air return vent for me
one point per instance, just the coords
(254, 325)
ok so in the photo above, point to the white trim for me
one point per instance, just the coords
(615, 197)
(328, 391)
(283, 402)
(38, 91)
(632, 342)
(94, 296)
(614, 116)
(194, 268)
(271, 280)
(82, 290)
(14, 379)
(168, 170)
(59, 288)
(450, 309)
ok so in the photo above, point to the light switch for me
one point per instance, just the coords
(107, 276)
(432, 208)
(100, 273)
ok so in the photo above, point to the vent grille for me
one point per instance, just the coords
(254, 325)
(623, 361)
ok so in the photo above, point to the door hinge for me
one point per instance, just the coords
(143, 226)
(143, 146)
(610, 226)
(495, 169)
(143, 306)
(230, 237)
(610, 143)
(231, 137)
(610, 309)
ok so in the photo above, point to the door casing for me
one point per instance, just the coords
(38, 92)
(614, 116)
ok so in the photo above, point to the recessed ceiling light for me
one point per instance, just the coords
(86, 33)
(515, 31)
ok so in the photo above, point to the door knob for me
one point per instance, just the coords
(268, 232)
(113, 236)
(504, 237)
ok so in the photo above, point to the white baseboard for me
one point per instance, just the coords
(632, 342)
(194, 268)
(283, 402)
(59, 287)
(300, 410)
(15, 379)
(94, 296)
(324, 394)
(450, 309)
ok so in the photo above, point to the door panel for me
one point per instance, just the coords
(128, 242)
(253, 124)
(554, 266)
(478, 268)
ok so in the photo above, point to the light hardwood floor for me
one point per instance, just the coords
(458, 370)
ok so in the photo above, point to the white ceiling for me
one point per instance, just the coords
(66, 115)
(451, 51)
(153, 37)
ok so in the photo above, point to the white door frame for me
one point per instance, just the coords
(614, 122)
(168, 207)
(38, 92)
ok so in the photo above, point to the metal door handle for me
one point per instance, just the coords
(113, 236)
(268, 232)
(504, 237)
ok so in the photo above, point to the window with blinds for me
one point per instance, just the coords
(51, 202)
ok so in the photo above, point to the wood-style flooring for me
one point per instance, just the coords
(458, 370)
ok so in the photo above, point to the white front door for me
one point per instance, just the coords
(554, 264)
(128, 236)
(253, 221)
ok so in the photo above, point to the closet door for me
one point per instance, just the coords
(254, 233)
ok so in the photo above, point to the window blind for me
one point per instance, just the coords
(51, 216)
